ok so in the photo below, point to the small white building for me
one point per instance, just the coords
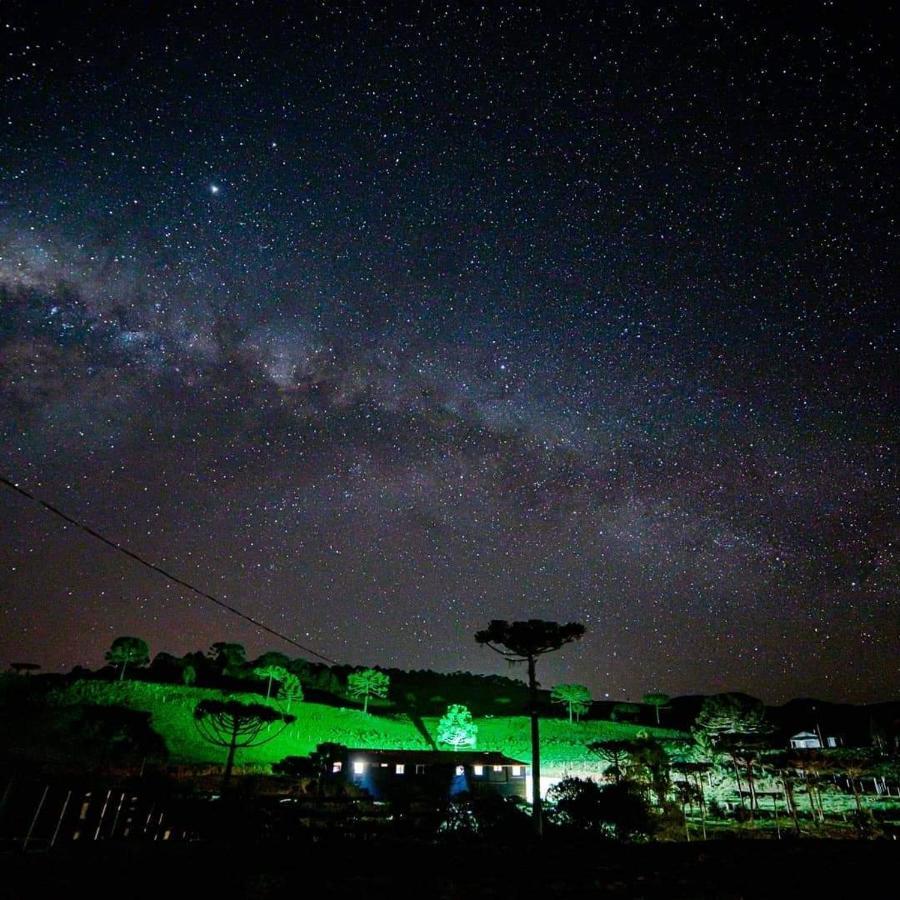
(809, 740)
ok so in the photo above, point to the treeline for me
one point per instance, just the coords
(226, 666)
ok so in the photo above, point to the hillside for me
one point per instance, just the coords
(169, 711)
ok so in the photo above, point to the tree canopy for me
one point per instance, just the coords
(125, 650)
(725, 717)
(526, 640)
(367, 683)
(232, 724)
(575, 697)
(457, 728)
(658, 700)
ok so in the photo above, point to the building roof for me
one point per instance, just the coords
(453, 757)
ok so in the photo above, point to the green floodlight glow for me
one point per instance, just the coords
(456, 728)
(367, 683)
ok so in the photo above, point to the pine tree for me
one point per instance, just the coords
(367, 683)
(456, 728)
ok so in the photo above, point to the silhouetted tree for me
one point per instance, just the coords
(525, 642)
(658, 701)
(648, 766)
(731, 714)
(235, 725)
(24, 668)
(613, 752)
(272, 658)
(693, 773)
(229, 658)
(99, 736)
(486, 814)
(576, 697)
(625, 712)
(576, 804)
(615, 809)
(367, 683)
(316, 767)
(126, 650)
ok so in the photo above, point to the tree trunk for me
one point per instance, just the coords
(856, 797)
(122, 671)
(751, 788)
(790, 803)
(810, 793)
(702, 796)
(657, 714)
(229, 762)
(366, 703)
(536, 805)
(737, 778)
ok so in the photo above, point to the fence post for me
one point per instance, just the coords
(59, 821)
(34, 818)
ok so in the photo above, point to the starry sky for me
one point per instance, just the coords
(382, 320)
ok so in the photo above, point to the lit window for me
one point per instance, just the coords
(420, 768)
(384, 765)
(460, 770)
(498, 768)
(478, 770)
(359, 767)
(400, 768)
(337, 766)
(519, 770)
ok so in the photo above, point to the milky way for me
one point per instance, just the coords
(380, 324)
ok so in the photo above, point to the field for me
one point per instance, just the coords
(171, 709)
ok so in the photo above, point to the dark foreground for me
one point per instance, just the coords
(368, 870)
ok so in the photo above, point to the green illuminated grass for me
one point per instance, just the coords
(563, 745)
(172, 707)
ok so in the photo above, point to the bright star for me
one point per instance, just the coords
(214, 189)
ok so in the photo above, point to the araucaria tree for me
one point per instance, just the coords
(229, 658)
(525, 642)
(615, 753)
(271, 672)
(367, 683)
(235, 725)
(291, 690)
(575, 697)
(456, 727)
(126, 650)
(658, 701)
(726, 718)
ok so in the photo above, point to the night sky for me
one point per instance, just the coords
(381, 321)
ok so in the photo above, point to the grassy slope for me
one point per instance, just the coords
(172, 709)
(562, 745)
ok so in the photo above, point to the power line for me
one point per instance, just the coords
(161, 571)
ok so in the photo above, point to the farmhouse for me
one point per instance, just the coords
(436, 773)
(809, 740)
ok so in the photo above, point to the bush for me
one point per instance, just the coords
(616, 810)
